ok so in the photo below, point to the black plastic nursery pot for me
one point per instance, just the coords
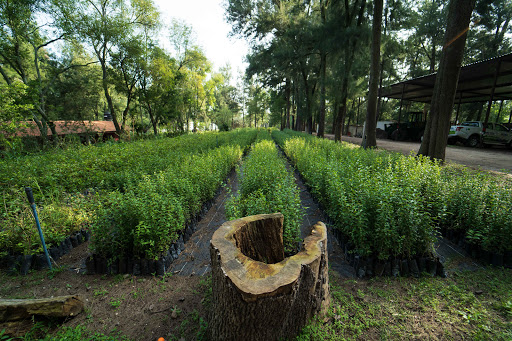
(22, 264)
(476, 251)
(393, 267)
(98, 264)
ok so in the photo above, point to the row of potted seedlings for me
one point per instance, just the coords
(22, 264)
(98, 264)
(364, 265)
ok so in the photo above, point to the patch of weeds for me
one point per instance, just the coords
(193, 326)
(165, 277)
(4, 337)
(478, 303)
(505, 308)
(118, 278)
(205, 283)
(115, 303)
(88, 314)
(81, 333)
(55, 271)
(100, 292)
(138, 293)
(176, 311)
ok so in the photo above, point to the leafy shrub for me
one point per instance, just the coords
(58, 175)
(389, 204)
(480, 206)
(267, 187)
(59, 219)
(146, 219)
(380, 201)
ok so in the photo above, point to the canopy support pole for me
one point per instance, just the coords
(489, 105)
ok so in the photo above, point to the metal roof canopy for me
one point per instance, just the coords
(485, 81)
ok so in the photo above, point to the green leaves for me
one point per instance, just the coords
(267, 187)
(374, 198)
(393, 205)
(146, 219)
(143, 192)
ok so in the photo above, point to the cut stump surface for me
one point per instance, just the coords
(258, 294)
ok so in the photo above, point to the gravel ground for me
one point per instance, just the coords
(496, 159)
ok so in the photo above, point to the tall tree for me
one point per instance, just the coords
(438, 122)
(493, 29)
(352, 17)
(323, 70)
(24, 50)
(369, 138)
(104, 25)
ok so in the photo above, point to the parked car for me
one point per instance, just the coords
(473, 134)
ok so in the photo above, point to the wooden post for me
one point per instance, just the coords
(258, 294)
(491, 99)
(401, 103)
(499, 112)
(458, 108)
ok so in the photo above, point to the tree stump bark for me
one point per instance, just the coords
(258, 294)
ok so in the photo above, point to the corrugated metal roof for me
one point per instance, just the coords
(475, 83)
(69, 127)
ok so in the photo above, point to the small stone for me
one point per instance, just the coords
(479, 292)
(174, 315)
(182, 299)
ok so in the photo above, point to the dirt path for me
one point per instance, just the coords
(195, 258)
(313, 213)
(496, 159)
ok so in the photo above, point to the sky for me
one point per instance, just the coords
(211, 30)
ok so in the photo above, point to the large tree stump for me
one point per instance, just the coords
(257, 293)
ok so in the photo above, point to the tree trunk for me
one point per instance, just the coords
(257, 293)
(349, 51)
(438, 122)
(321, 118)
(340, 115)
(102, 58)
(369, 135)
(288, 103)
(334, 116)
(153, 119)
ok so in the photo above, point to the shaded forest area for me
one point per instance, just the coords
(315, 55)
(309, 63)
(79, 60)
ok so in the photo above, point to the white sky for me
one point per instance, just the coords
(211, 30)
